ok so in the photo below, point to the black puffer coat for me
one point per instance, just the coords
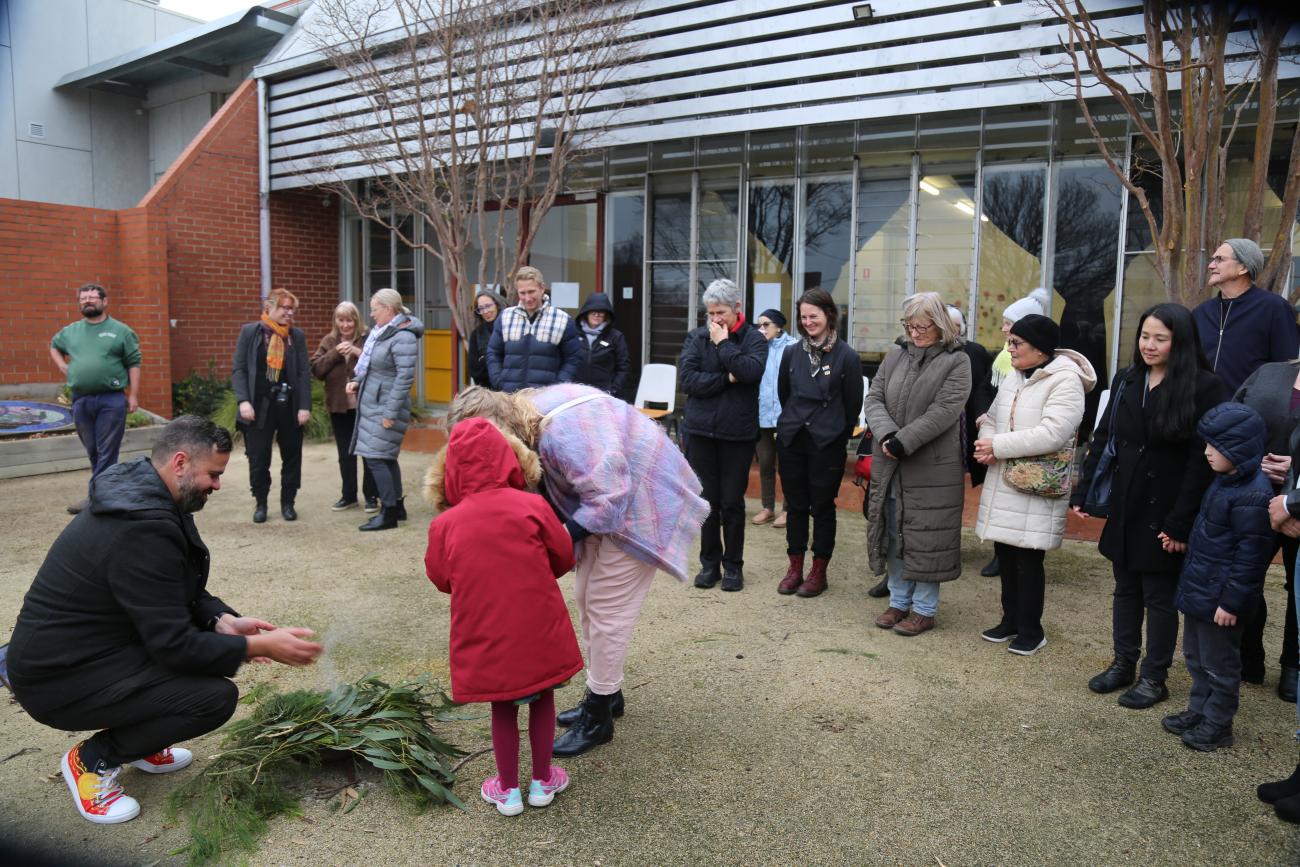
(1158, 482)
(605, 362)
(715, 406)
(1232, 541)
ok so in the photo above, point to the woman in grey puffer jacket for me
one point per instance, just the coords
(382, 380)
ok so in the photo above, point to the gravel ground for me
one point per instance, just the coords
(760, 729)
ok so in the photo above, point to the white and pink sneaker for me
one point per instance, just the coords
(166, 761)
(542, 792)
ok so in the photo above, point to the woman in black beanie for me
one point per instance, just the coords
(1036, 415)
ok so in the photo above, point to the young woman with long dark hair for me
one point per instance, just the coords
(1160, 476)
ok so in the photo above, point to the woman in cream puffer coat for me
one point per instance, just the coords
(1037, 412)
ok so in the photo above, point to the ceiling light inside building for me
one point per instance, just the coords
(929, 188)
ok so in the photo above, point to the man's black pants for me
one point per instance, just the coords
(723, 468)
(280, 425)
(167, 709)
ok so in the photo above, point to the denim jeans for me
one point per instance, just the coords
(101, 423)
(920, 597)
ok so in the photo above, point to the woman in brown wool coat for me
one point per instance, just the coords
(914, 412)
(333, 362)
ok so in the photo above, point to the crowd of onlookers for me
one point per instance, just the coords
(1192, 465)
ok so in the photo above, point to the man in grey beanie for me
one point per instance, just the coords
(1243, 326)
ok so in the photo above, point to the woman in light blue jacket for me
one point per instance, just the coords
(770, 323)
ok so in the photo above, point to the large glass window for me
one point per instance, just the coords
(1011, 242)
(626, 266)
(717, 218)
(670, 265)
(945, 228)
(771, 245)
(884, 226)
(564, 248)
(827, 237)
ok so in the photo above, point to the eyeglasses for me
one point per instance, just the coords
(287, 308)
(1219, 260)
(485, 308)
(1014, 343)
(912, 328)
(763, 324)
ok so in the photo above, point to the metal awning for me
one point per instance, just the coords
(212, 47)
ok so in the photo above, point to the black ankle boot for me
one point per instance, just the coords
(259, 512)
(881, 590)
(570, 716)
(1271, 793)
(385, 520)
(1286, 683)
(400, 508)
(992, 568)
(593, 727)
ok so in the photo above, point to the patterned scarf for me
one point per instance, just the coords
(817, 350)
(275, 347)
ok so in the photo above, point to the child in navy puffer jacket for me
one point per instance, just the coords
(1223, 576)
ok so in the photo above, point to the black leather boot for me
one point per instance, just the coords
(385, 520)
(1116, 675)
(593, 727)
(564, 719)
(1286, 684)
(259, 512)
(400, 509)
(1271, 793)
(881, 590)
(287, 511)
(992, 568)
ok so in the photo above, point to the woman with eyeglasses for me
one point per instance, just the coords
(1160, 477)
(914, 411)
(820, 390)
(486, 307)
(1036, 413)
(771, 324)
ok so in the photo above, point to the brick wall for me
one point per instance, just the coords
(46, 252)
(182, 268)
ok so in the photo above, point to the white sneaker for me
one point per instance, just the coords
(166, 761)
(98, 797)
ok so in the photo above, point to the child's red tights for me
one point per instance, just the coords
(541, 737)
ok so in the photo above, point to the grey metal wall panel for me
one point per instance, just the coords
(120, 156)
(112, 28)
(62, 176)
(42, 31)
(8, 145)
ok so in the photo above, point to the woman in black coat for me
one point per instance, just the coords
(1160, 476)
(820, 389)
(486, 307)
(605, 364)
(1273, 391)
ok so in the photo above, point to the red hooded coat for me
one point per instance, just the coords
(498, 551)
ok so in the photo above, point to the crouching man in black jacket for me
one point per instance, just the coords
(119, 633)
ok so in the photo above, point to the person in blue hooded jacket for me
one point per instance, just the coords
(1223, 576)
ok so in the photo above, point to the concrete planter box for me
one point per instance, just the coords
(62, 452)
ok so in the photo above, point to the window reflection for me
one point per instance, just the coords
(771, 242)
(884, 209)
(945, 229)
(827, 227)
(1011, 243)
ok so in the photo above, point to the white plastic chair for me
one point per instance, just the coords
(862, 413)
(658, 386)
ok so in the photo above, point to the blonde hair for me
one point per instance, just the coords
(435, 478)
(528, 272)
(348, 309)
(512, 413)
(930, 305)
(390, 298)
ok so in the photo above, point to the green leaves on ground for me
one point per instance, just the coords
(250, 781)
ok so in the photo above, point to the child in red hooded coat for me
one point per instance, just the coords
(497, 549)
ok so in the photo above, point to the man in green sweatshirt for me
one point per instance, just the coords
(100, 357)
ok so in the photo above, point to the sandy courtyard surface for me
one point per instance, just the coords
(760, 729)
